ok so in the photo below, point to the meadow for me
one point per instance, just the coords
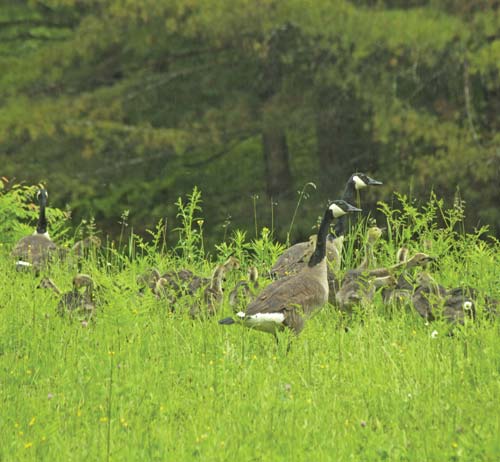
(143, 382)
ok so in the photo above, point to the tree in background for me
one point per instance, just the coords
(121, 104)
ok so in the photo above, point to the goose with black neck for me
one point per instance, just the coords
(287, 302)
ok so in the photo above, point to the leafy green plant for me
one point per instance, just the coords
(190, 231)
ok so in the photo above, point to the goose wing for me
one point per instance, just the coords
(289, 293)
(291, 258)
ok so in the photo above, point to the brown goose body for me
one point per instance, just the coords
(245, 290)
(76, 302)
(36, 250)
(290, 300)
(359, 285)
(431, 301)
(213, 295)
(294, 259)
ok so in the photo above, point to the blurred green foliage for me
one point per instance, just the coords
(126, 105)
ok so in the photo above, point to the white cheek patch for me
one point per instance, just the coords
(337, 211)
(358, 182)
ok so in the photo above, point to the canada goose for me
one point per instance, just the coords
(148, 279)
(361, 290)
(293, 259)
(400, 294)
(77, 302)
(213, 295)
(47, 283)
(373, 235)
(35, 250)
(430, 298)
(82, 247)
(360, 284)
(287, 301)
(244, 289)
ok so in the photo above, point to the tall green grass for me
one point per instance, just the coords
(143, 382)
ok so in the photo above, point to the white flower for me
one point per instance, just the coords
(434, 334)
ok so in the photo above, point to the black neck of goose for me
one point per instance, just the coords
(320, 250)
(349, 196)
(41, 227)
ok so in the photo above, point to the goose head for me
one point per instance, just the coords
(231, 263)
(149, 278)
(361, 181)
(82, 280)
(41, 196)
(339, 208)
(374, 234)
(419, 259)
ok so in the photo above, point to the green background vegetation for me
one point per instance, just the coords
(126, 105)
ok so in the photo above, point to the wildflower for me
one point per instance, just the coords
(111, 353)
(32, 421)
(363, 423)
(288, 387)
(454, 445)
(85, 323)
(434, 334)
(50, 396)
(103, 419)
(28, 445)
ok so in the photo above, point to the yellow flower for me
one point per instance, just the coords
(454, 445)
(103, 419)
(28, 445)
(111, 353)
(32, 421)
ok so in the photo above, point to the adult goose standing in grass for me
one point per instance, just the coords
(35, 250)
(292, 260)
(288, 301)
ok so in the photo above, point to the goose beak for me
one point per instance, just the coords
(351, 208)
(372, 182)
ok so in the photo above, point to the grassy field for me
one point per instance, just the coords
(143, 383)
